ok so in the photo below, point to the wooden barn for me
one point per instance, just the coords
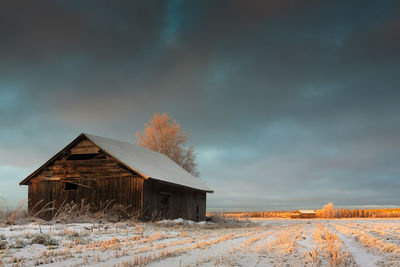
(303, 214)
(97, 169)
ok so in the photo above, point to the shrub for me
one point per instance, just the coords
(44, 239)
(14, 216)
(3, 245)
(220, 219)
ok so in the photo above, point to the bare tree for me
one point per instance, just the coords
(165, 135)
(329, 211)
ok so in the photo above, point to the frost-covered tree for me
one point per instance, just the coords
(329, 211)
(165, 135)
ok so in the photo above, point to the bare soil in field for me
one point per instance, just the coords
(263, 242)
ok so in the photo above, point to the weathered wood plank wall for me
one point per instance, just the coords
(183, 202)
(100, 178)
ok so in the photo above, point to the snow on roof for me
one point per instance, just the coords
(307, 211)
(148, 163)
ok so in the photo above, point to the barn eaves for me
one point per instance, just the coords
(147, 163)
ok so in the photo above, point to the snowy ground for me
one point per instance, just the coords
(269, 242)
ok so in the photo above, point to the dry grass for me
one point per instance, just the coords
(312, 258)
(328, 244)
(143, 260)
(389, 252)
(18, 215)
(44, 239)
(278, 243)
(88, 212)
(384, 231)
(284, 243)
(371, 242)
(68, 213)
(221, 220)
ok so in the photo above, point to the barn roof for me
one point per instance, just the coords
(147, 163)
(307, 211)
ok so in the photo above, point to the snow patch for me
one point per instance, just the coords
(181, 221)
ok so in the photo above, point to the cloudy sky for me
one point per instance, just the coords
(290, 103)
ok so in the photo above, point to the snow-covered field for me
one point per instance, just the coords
(268, 242)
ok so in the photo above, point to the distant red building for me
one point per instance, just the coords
(303, 214)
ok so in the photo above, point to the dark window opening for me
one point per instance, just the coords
(197, 211)
(85, 156)
(164, 200)
(70, 186)
(94, 184)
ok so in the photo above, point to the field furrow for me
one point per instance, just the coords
(268, 242)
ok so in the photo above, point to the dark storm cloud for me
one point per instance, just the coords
(278, 94)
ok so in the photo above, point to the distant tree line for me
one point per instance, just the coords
(328, 211)
(259, 214)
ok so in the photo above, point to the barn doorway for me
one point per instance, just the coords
(164, 204)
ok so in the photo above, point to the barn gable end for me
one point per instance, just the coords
(83, 172)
